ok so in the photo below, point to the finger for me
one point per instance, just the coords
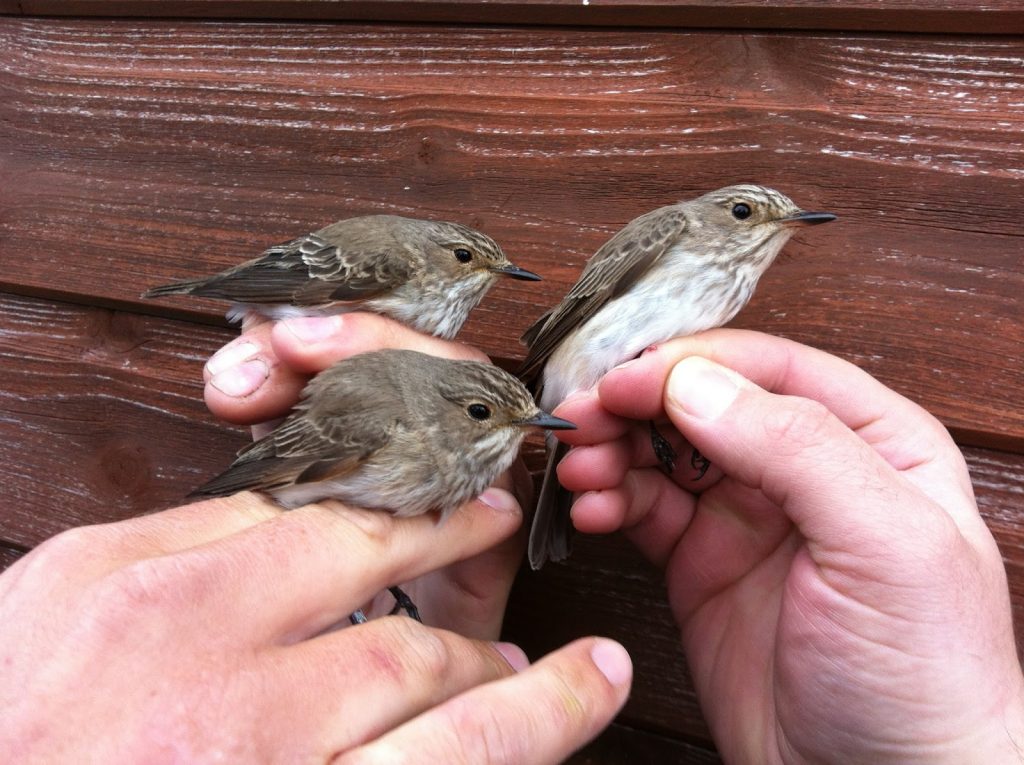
(734, 530)
(246, 383)
(252, 319)
(652, 511)
(310, 344)
(263, 576)
(239, 351)
(375, 677)
(92, 552)
(538, 716)
(594, 423)
(586, 468)
(187, 526)
(906, 435)
(837, 489)
(469, 597)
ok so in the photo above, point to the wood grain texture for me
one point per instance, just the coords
(160, 150)
(993, 17)
(101, 416)
(9, 554)
(141, 151)
(101, 419)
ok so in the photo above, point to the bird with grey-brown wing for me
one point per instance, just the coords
(391, 430)
(427, 274)
(675, 271)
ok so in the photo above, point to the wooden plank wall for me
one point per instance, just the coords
(139, 150)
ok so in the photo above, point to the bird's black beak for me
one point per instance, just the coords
(547, 421)
(807, 219)
(517, 273)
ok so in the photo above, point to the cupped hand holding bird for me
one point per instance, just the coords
(204, 632)
(468, 597)
(839, 595)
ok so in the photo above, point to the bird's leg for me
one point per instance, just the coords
(404, 603)
(667, 455)
(663, 449)
(700, 463)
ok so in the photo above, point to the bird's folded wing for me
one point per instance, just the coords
(337, 273)
(613, 269)
(301, 450)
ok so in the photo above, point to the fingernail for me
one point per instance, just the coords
(229, 355)
(612, 660)
(513, 654)
(700, 388)
(241, 380)
(313, 329)
(500, 500)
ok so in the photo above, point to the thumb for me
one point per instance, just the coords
(841, 494)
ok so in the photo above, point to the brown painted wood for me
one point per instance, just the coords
(101, 418)
(135, 152)
(143, 151)
(620, 744)
(993, 17)
(9, 554)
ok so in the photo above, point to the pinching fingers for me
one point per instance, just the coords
(839, 491)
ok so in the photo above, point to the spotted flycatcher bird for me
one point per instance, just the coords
(391, 430)
(674, 271)
(427, 274)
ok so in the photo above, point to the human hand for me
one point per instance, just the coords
(258, 377)
(839, 596)
(197, 635)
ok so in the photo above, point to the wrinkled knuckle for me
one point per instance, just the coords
(373, 527)
(798, 424)
(142, 585)
(126, 596)
(479, 733)
(165, 585)
(424, 653)
(573, 697)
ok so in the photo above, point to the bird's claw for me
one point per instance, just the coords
(700, 463)
(404, 603)
(663, 450)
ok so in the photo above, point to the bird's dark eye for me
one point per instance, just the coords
(479, 412)
(741, 211)
(463, 255)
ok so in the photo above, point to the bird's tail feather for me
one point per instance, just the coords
(257, 475)
(177, 288)
(551, 533)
